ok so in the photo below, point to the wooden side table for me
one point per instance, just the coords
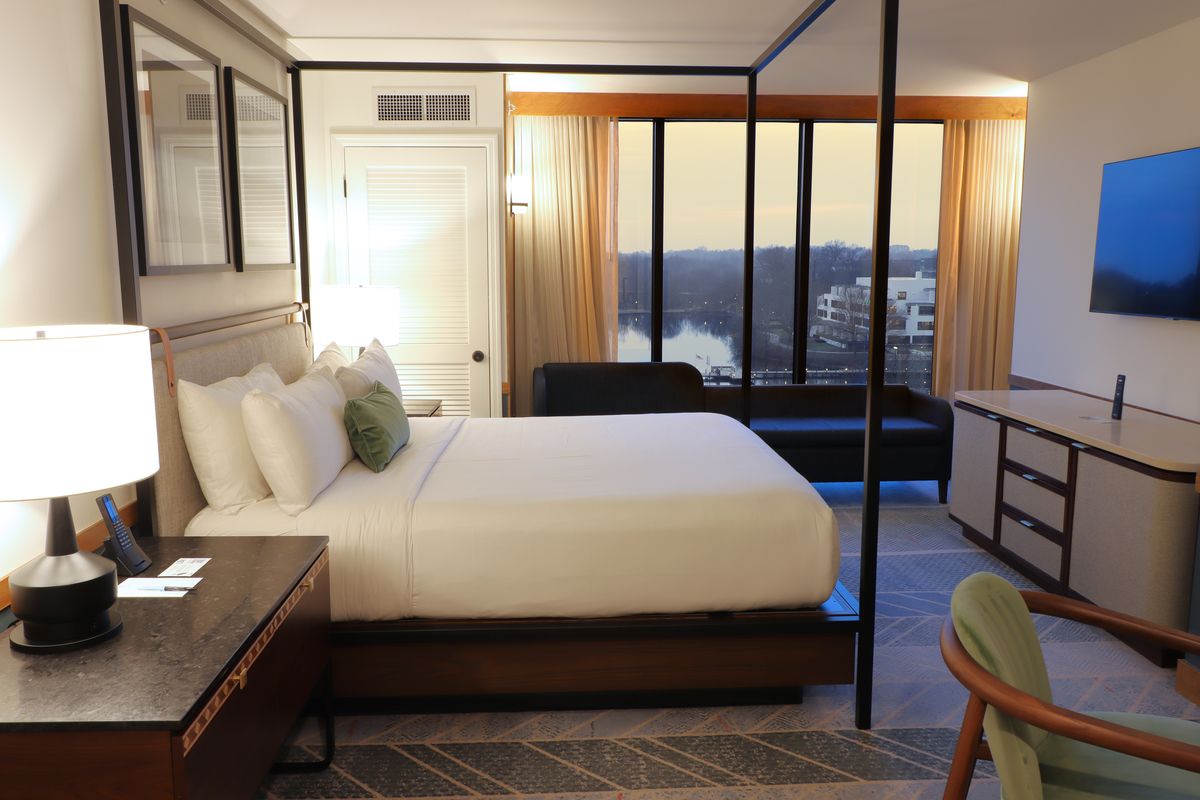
(423, 408)
(195, 696)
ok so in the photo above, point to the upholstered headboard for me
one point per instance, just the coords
(176, 495)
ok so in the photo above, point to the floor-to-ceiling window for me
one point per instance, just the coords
(635, 221)
(775, 214)
(702, 229)
(704, 193)
(839, 295)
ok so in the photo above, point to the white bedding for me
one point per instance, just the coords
(565, 516)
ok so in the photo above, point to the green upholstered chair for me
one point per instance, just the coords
(1041, 750)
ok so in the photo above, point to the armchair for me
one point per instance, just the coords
(1042, 750)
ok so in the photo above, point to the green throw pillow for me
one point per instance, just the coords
(377, 425)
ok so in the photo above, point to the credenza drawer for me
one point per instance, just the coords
(1035, 500)
(1030, 447)
(237, 733)
(1031, 546)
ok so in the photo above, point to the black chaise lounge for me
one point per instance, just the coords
(819, 430)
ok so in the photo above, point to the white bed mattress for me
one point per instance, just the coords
(565, 517)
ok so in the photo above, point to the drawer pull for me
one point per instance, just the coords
(1026, 523)
(1079, 445)
(1029, 477)
(1034, 431)
(241, 678)
(993, 417)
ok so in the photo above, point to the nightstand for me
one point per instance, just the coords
(195, 696)
(423, 408)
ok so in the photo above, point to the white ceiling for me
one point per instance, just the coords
(987, 47)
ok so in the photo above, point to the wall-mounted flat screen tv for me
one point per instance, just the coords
(1148, 241)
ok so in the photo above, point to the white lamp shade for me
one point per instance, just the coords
(76, 410)
(356, 315)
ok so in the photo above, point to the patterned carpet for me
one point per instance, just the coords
(810, 750)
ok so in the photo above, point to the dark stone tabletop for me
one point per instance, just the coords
(171, 652)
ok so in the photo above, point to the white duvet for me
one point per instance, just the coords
(565, 517)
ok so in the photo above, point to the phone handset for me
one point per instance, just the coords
(120, 546)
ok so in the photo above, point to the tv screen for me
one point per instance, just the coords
(1148, 241)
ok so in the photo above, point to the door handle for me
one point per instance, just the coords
(478, 356)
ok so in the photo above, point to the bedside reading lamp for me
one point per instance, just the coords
(76, 416)
(355, 315)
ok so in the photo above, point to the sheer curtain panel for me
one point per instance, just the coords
(982, 163)
(564, 246)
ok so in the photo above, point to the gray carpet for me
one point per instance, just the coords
(809, 750)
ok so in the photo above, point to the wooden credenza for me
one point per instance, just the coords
(1082, 504)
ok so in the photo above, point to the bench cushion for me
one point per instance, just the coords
(842, 431)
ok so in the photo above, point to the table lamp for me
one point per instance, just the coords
(76, 416)
(355, 315)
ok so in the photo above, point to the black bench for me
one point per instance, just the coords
(820, 430)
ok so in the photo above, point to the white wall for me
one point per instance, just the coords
(1134, 101)
(58, 257)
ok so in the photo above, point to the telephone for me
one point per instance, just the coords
(120, 546)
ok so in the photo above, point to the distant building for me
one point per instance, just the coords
(843, 313)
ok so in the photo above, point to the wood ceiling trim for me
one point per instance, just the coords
(733, 106)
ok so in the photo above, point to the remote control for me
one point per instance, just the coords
(1119, 398)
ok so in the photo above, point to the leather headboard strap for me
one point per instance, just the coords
(168, 359)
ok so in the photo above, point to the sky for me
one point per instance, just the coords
(704, 184)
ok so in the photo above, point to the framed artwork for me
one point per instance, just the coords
(180, 187)
(259, 155)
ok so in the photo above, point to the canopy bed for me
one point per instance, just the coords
(678, 648)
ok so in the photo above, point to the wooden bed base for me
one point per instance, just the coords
(451, 661)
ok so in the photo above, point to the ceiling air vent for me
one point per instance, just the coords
(429, 106)
(396, 107)
(199, 106)
(448, 107)
(258, 108)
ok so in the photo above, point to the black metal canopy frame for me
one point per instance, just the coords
(885, 119)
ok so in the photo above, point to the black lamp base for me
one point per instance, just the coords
(28, 637)
(64, 598)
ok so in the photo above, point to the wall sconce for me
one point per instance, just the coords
(520, 193)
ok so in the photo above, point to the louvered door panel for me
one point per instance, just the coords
(417, 220)
(449, 383)
(264, 205)
(212, 215)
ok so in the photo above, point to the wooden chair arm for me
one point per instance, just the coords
(1056, 605)
(1058, 720)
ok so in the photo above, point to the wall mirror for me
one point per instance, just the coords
(176, 95)
(258, 139)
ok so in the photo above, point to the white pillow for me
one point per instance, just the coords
(298, 437)
(373, 365)
(331, 357)
(211, 419)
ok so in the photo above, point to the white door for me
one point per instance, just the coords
(417, 219)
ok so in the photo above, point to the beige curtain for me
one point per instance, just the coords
(565, 248)
(982, 163)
